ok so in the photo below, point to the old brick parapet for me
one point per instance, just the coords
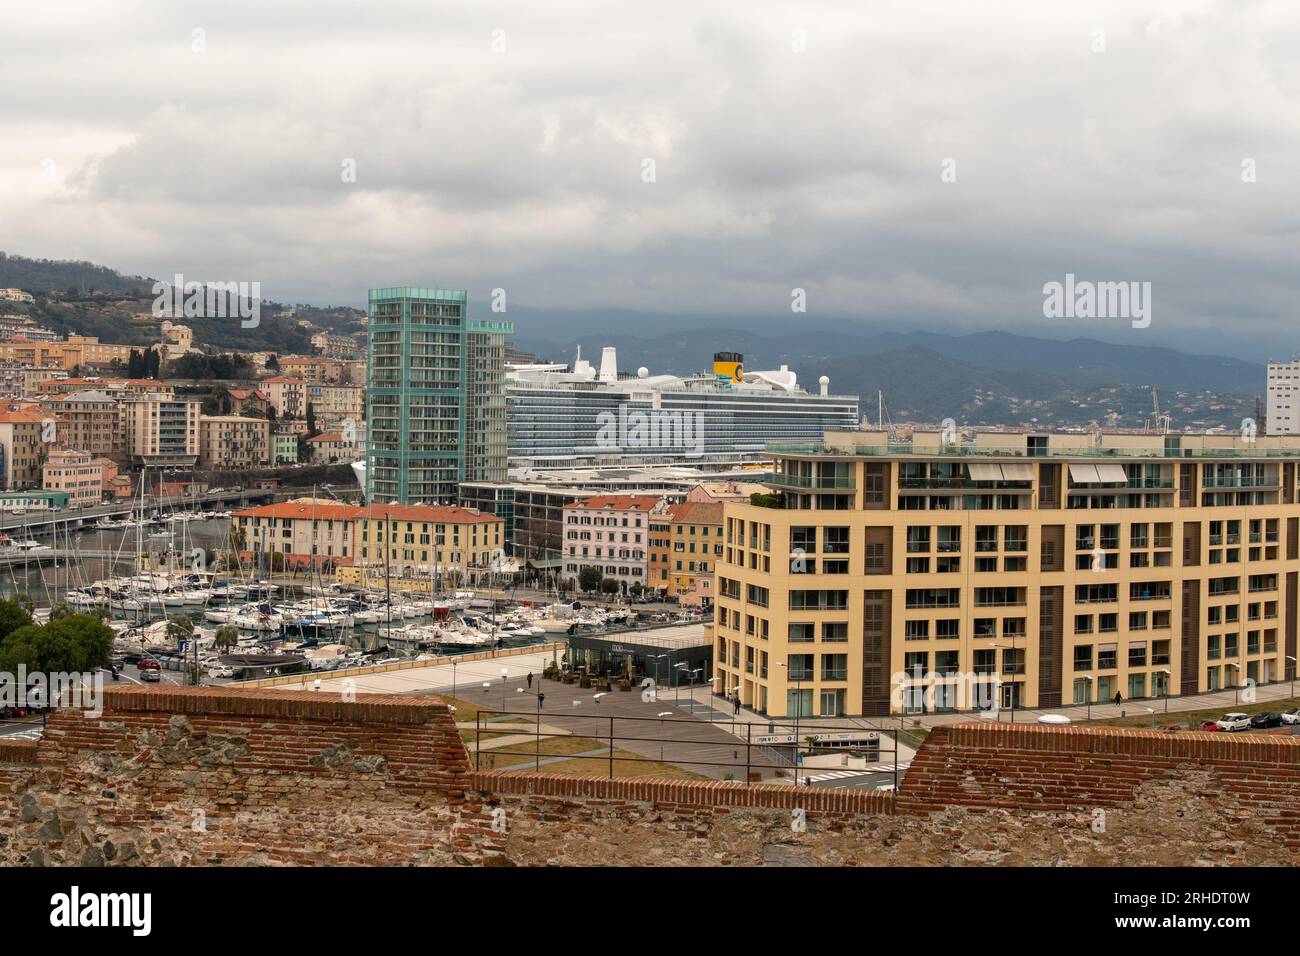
(1032, 767)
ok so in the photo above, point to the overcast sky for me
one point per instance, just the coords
(795, 145)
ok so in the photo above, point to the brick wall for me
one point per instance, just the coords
(1250, 778)
(217, 776)
(227, 776)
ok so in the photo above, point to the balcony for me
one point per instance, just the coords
(812, 482)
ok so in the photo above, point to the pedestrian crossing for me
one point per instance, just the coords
(845, 774)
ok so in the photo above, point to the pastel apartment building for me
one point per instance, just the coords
(611, 532)
(1048, 569)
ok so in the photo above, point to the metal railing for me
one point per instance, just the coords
(746, 751)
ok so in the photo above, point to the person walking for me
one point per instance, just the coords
(530, 680)
(735, 701)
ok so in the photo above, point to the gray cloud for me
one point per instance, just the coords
(775, 169)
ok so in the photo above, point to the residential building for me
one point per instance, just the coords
(1045, 570)
(287, 395)
(312, 533)
(246, 401)
(610, 532)
(694, 548)
(330, 447)
(408, 541)
(284, 447)
(78, 473)
(334, 346)
(726, 490)
(234, 441)
(24, 441)
(1282, 399)
(16, 295)
(337, 402)
(159, 431)
(432, 420)
(88, 421)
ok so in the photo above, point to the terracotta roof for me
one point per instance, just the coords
(698, 512)
(616, 503)
(328, 436)
(281, 379)
(29, 414)
(448, 514)
(308, 510)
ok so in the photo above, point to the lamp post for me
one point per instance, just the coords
(1236, 687)
(540, 696)
(1293, 663)
(677, 686)
(657, 658)
(1169, 677)
(504, 674)
(1090, 679)
(662, 715)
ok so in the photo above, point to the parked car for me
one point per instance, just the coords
(1265, 720)
(1211, 725)
(1234, 721)
(1291, 716)
(150, 675)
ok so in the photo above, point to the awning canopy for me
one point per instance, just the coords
(1112, 473)
(984, 472)
(1084, 474)
(1018, 472)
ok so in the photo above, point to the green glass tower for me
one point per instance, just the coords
(435, 396)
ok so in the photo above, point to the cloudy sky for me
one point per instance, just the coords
(929, 164)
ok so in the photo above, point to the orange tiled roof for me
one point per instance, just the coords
(698, 512)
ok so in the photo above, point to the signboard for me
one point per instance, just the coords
(827, 738)
(776, 739)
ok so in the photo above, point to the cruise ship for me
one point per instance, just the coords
(559, 416)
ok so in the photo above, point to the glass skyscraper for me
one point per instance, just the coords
(435, 395)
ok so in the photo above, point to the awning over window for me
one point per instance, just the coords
(1018, 472)
(1084, 474)
(1111, 473)
(984, 472)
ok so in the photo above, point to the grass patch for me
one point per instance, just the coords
(1192, 718)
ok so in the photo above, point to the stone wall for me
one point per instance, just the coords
(213, 776)
(237, 776)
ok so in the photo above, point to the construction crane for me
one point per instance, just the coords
(1161, 422)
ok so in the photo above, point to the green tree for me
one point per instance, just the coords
(77, 642)
(227, 636)
(609, 586)
(179, 627)
(13, 615)
(589, 578)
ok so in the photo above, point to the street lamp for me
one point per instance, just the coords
(677, 687)
(662, 715)
(1090, 679)
(657, 658)
(537, 755)
(504, 674)
(1236, 688)
(1293, 663)
(1169, 677)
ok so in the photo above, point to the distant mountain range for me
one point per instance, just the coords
(983, 378)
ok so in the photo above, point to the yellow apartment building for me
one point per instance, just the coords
(1048, 569)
